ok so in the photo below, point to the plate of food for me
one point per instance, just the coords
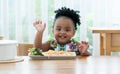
(50, 54)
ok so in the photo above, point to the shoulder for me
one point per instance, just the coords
(74, 40)
(50, 39)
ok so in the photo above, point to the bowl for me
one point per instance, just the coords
(8, 49)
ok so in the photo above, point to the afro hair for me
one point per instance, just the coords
(70, 13)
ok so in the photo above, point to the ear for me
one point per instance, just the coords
(52, 31)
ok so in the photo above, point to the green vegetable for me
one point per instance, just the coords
(35, 51)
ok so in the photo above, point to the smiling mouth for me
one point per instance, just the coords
(62, 37)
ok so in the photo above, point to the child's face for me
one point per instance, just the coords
(63, 29)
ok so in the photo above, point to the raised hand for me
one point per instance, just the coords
(83, 46)
(39, 26)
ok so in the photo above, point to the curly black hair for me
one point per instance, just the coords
(70, 13)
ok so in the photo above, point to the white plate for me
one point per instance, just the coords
(16, 59)
(38, 57)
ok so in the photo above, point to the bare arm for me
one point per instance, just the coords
(40, 27)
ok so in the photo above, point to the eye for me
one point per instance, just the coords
(58, 29)
(67, 30)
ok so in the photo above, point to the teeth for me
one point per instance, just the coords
(62, 36)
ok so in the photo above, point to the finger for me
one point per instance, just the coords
(80, 47)
(39, 22)
(88, 46)
(44, 25)
(35, 23)
(87, 43)
(83, 51)
(84, 42)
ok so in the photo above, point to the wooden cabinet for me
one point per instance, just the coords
(109, 40)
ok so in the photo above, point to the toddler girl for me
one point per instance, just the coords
(64, 28)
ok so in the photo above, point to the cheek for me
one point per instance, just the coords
(70, 33)
(55, 32)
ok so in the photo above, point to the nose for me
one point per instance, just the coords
(62, 31)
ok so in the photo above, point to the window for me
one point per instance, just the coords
(17, 17)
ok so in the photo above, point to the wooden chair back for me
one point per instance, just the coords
(1, 37)
(23, 49)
